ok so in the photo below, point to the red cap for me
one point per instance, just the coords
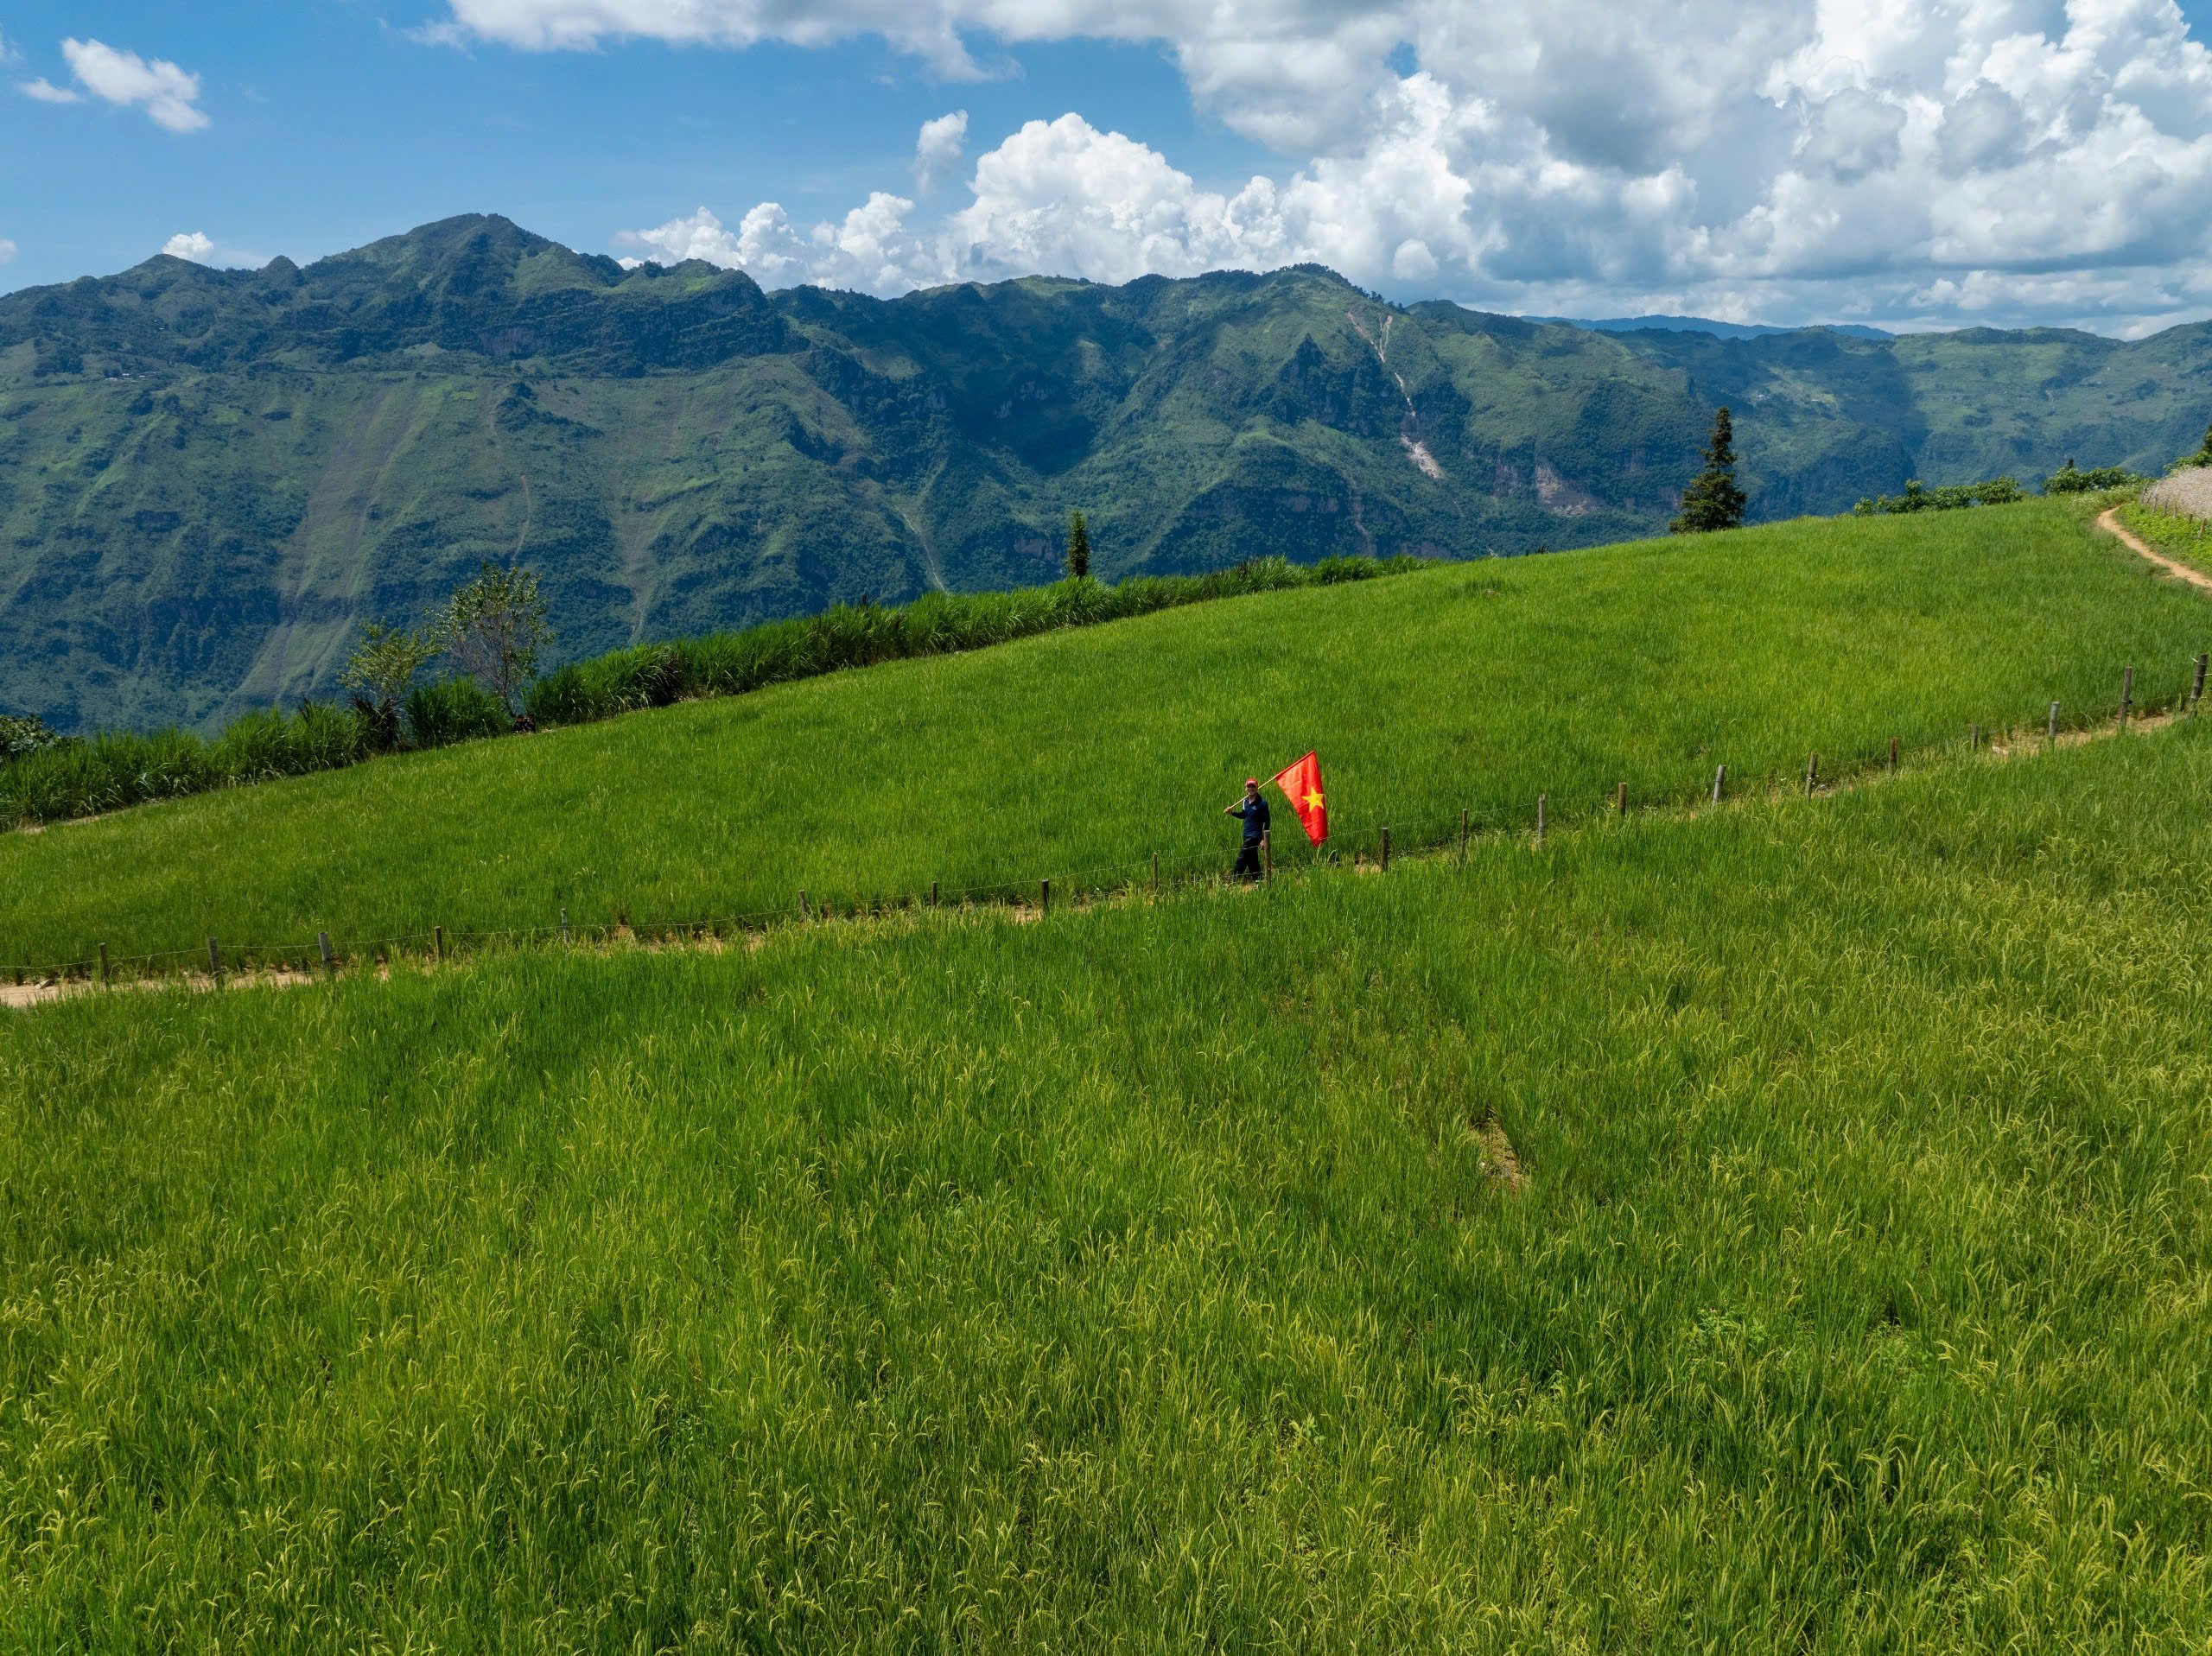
(1251, 782)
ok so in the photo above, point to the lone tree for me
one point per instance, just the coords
(382, 669)
(1712, 500)
(1078, 548)
(494, 630)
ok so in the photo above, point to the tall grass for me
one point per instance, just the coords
(109, 771)
(1148, 1279)
(1079, 754)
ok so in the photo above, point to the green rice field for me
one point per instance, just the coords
(1079, 755)
(1781, 1228)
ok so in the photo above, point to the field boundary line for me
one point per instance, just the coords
(1004, 902)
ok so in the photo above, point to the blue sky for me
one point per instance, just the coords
(1919, 167)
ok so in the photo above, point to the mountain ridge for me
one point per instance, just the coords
(208, 478)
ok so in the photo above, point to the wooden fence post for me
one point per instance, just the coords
(2051, 732)
(1719, 781)
(438, 942)
(214, 959)
(1155, 871)
(1541, 800)
(1044, 896)
(804, 913)
(1893, 752)
(1812, 771)
(1620, 800)
(329, 960)
(2197, 690)
(103, 963)
(1463, 833)
(565, 938)
(932, 894)
(2126, 695)
(1386, 850)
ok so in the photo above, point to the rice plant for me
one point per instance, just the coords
(1781, 1229)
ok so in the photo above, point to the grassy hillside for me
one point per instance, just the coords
(208, 478)
(1157, 1277)
(1077, 756)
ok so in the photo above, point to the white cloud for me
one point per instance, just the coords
(169, 95)
(1788, 158)
(8, 251)
(47, 92)
(938, 146)
(202, 249)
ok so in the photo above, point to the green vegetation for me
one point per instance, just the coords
(212, 478)
(54, 781)
(1078, 558)
(1917, 497)
(1713, 501)
(1078, 754)
(1157, 1277)
(2097, 481)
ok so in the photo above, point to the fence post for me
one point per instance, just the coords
(103, 963)
(2197, 690)
(1541, 800)
(1893, 752)
(2050, 732)
(214, 959)
(2126, 694)
(1973, 739)
(438, 940)
(1386, 850)
(804, 913)
(1620, 800)
(329, 960)
(1155, 871)
(1719, 781)
(932, 894)
(564, 921)
(1463, 833)
(1044, 896)
(1812, 771)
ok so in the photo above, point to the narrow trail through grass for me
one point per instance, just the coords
(714, 936)
(2109, 522)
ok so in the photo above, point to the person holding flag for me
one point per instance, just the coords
(1253, 810)
(1301, 786)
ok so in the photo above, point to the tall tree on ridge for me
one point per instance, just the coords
(1078, 548)
(1712, 500)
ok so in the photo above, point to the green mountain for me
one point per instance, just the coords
(208, 478)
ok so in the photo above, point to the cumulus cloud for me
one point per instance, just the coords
(1785, 158)
(169, 95)
(201, 249)
(939, 145)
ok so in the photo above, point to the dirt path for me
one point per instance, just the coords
(1998, 747)
(2111, 524)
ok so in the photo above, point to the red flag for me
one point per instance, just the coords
(1301, 786)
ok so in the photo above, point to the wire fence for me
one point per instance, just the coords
(1350, 843)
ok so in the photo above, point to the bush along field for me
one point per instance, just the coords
(1781, 1228)
(1083, 755)
(1079, 755)
(44, 779)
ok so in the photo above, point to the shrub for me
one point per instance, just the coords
(457, 710)
(20, 734)
(1917, 497)
(2068, 480)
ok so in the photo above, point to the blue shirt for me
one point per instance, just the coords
(1254, 813)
